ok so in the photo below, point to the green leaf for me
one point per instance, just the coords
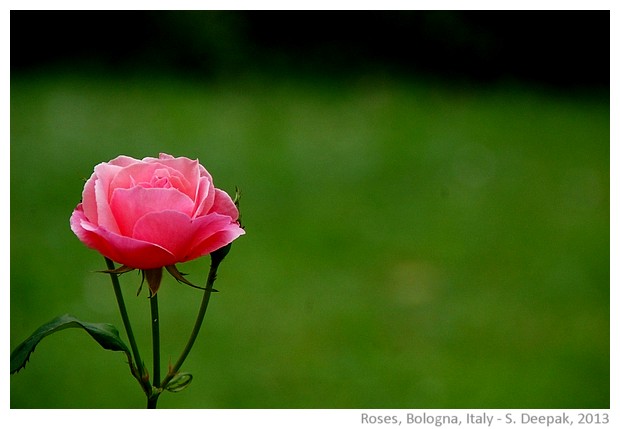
(179, 382)
(104, 333)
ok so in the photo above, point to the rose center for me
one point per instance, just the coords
(161, 179)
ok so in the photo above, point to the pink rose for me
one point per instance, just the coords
(155, 212)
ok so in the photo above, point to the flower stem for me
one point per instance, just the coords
(155, 326)
(142, 374)
(199, 319)
(152, 401)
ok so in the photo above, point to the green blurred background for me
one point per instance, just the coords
(425, 195)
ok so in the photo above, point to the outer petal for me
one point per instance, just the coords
(224, 205)
(105, 175)
(97, 189)
(184, 237)
(124, 250)
(215, 231)
(89, 199)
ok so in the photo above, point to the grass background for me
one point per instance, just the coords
(409, 244)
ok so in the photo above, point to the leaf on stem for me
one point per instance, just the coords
(104, 333)
(179, 382)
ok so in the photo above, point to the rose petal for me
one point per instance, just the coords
(204, 197)
(214, 238)
(186, 168)
(129, 205)
(123, 161)
(105, 174)
(89, 199)
(123, 250)
(185, 237)
(169, 229)
(153, 174)
(129, 176)
(223, 204)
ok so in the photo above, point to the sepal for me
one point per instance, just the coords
(120, 270)
(236, 202)
(178, 276)
(153, 278)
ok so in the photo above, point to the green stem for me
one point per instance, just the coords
(152, 401)
(199, 319)
(155, 325)
(143, 378)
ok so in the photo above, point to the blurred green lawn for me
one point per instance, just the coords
(408, 245)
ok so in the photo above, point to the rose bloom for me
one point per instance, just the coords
(154, 212)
